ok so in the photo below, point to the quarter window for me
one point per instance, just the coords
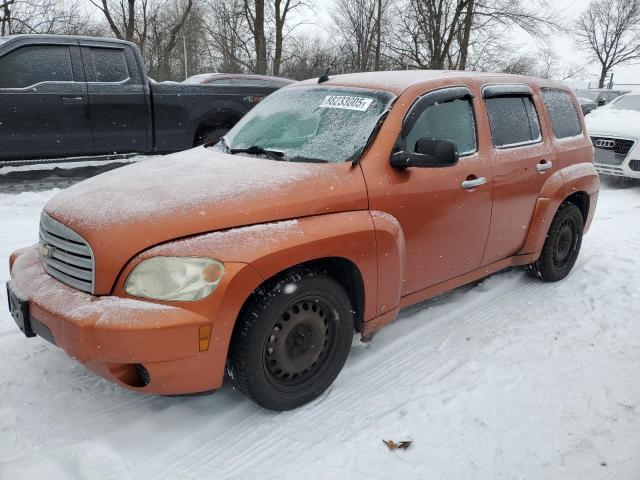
(513, 120)
(109, 65)
(451, 120)
(563, 114)
(31, 65)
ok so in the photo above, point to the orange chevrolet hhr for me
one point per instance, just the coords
(327, 209)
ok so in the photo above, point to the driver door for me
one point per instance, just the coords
(444, 212)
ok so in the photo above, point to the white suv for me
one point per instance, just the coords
(615, 133)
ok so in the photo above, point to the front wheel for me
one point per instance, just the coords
(562, 246)
(291, 340)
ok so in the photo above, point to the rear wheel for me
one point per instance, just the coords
(562, 246)
(292, 339)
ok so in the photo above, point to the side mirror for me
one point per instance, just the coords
(429, 153)
(602, 102)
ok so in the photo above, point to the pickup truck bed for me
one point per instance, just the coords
(69, 96)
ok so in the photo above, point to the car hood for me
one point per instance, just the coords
(612, 122)
(125, 211)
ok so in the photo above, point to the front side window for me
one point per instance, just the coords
(513, 120)
(312, 123)
(27, 66)
(451, 120)
(109, 65)
(564, 117)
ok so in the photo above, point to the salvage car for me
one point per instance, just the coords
(326, 210)
(615, 133)
(69, 96)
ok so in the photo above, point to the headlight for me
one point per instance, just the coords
(182, 279)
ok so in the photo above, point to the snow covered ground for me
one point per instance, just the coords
(511, 379)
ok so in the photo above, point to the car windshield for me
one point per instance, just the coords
(591, 95)
(626, 102)
(312, 123)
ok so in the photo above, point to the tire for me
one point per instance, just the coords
(562, 246)
(291, 340)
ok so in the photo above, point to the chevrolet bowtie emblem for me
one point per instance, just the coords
(46, 250)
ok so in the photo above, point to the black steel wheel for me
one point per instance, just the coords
(291, 340)
(562, 246)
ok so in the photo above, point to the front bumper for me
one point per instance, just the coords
(113, 336)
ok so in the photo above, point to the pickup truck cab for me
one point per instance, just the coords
(69, 96)
(323, 212)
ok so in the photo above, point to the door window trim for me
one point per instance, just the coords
(90, 69)
(512, 90)
(44, 82)
(572, 137)
(430, 98)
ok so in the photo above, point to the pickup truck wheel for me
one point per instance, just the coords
(210, 136)
(291, 340)
(562, 246)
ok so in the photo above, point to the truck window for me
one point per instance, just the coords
(513, 120)
(563, 114)
(109, 64)
(27, 66)
(452, 120)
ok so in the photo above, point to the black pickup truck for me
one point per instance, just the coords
(69, 96)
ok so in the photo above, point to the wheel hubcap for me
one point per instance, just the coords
(565, 244)
(298, 341)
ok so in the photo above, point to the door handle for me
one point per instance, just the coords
(544, 165)
(473, 182)
(77, 99)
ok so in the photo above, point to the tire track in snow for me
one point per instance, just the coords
(401, 354)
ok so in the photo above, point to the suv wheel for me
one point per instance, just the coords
(562, 246)
(291, 340)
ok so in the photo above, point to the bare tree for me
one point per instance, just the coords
(254, 12)
(5, 20)
(359, 26)
(43, 16)
(229, 35)
(281, 10)
(610, 29)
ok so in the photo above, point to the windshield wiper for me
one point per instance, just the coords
(258, 150)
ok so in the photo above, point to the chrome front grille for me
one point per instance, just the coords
(66, 256)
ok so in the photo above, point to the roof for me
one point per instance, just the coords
(44, 37)
(399, 80)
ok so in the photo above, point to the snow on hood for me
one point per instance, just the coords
(125, 211)
(615, 122)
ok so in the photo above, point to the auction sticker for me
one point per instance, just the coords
(346, 103)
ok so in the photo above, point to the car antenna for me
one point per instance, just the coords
(325, 76)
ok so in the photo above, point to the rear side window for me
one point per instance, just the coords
(30, 65)
(513, 120)
(562, 112)
(451, 120)
(109, 64)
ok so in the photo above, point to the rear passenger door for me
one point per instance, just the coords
(43, 102)
(523, 159)
(118, 98)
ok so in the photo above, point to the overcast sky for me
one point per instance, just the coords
(563, 44)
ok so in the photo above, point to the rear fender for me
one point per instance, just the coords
(581, 177)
